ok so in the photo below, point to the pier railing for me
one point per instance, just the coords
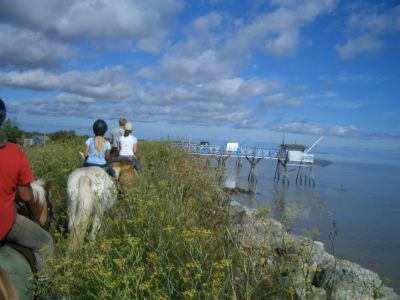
(218, 150)
(254, 155)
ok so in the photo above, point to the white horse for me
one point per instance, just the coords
(90, 192)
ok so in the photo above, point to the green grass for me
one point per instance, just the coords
(168, 238)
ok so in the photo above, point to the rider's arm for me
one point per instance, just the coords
(134, 148)
(86, 152)
(107, 157)
(24, 193)
(23, 189)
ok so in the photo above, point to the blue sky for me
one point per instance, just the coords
(210, 69)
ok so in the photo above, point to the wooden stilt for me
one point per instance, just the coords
(252, 178)
(239, 162)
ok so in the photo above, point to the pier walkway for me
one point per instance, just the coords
(218, 150)
(285, 156)
(236, 151)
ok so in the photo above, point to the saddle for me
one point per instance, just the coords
(26, 252)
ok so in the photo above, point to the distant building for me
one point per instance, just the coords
(294, 147)
(232, 147)
(295, 153)
(36, 140)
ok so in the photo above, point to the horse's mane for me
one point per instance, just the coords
(39, 192)
(7, 290)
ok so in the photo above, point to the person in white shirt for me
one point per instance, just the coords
(127, 146)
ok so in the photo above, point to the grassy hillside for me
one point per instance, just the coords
(168, 238)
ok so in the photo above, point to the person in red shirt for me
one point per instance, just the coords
(15, 179)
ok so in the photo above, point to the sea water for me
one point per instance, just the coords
(359, 200)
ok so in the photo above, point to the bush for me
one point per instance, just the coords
(13, 133)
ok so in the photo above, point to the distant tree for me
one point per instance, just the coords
(13, 133)
(62, 135)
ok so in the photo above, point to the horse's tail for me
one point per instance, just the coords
(80, 209)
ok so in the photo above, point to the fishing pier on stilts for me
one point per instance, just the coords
(287, 155)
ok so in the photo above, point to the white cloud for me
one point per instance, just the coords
(294, 102)
(365, 44)
(281, 99)
(366, 30)
(91, 19)
(285, 44)
(147, 73)
(206, 23)
(104, 84)
(25, 48)
(222, 102)
(216, 45)
(299, 127)
(237, 88)
(279, 29)
(368, 78)
(66, 97)
(350, 131)
(195, 68)
(274, 99)
(375, 22)
(341, 104)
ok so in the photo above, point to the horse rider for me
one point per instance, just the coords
(15, 178)
(127, 146)
(116, 134)
(97, 149)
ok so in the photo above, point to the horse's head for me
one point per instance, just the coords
(40, 209)
(41, 205)
(125, 171)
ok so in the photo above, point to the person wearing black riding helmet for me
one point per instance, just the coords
(97, 149)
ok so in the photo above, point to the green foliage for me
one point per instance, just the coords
(54, 161)
(167, 238)
(63, 136)
(10, 128)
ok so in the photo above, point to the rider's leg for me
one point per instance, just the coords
(136, 163)
(29, 234)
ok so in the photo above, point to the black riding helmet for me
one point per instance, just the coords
(99, 127)
(2, 111)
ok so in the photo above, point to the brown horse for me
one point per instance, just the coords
(17, 263)
(40, 210)
(127, 173)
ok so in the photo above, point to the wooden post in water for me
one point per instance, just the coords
(308, 174)
(281, 164)
(239, 162)
(221, 160)
(252, 178)
(299, 177)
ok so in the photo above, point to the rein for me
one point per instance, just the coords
(49, 216)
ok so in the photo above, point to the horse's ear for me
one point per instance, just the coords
(47, 185)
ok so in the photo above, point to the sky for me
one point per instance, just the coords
(247, 71)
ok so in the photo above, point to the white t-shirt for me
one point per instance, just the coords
(126, 143)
